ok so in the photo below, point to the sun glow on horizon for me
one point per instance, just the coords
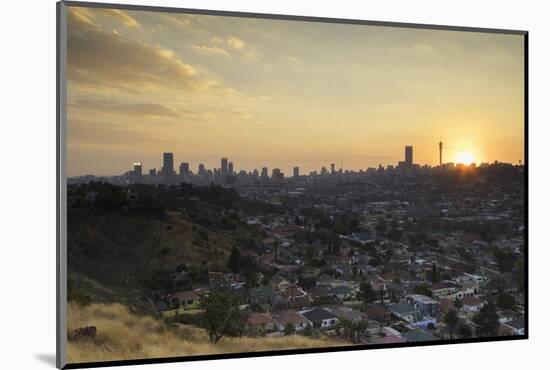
(465, 158)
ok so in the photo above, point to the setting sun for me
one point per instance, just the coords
(465, 158)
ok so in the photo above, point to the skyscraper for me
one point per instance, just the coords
(277, 175)
(409, 156)
(264, 174)
(168, 164)
(332, 168)
(230, 168)
(296, 171)
(138, 170)
(202, 170)
(184, 168)
(153, 172)
(223, 167)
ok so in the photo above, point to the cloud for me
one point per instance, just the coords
(232, 42)
(211, 49)
(120, 16)
(131, 110)
(80, 16)
(235, 43)
(107, 61)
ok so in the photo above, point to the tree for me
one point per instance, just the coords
(290, 329)
(350, 330)
(505, 259)
(423, 289)
(458, 304)
(435, 274)
(487, 321)
(464, 331)
(235, 260)
(366, 293)
(221, 312)
(307, 281)
(308, 330)
(451, 319)
(506, 301)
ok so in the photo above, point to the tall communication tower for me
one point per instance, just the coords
(440, 152)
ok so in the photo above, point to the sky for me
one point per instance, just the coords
(281, 94)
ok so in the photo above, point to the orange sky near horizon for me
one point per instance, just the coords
(285, 93)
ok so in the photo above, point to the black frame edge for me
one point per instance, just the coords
(61, 291)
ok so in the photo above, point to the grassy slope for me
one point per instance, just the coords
(122, 335)
(119, 250)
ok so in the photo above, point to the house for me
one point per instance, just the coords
(260, 323)
(517, 326)
(283, 318)
(443, 289)
(322, 294)
(472, 304)
(296, 297)
(405, 311)
(343, 292)
(349, 314)
(418, 336)
(506, 316)
(279, 283)
(187, 299)
(426, 323)
(378, 312)
(266, 298)
(427, 306)
(396, 292)
(320, 318)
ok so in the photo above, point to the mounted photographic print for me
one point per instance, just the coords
(235, 184)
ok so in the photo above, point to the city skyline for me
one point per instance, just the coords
(168, 167)
(204, 87)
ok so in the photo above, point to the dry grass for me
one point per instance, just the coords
(122, 336)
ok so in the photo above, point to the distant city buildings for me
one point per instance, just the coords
(202, 170)
(224, 167)
(184, 169)
(167, 164)
(277, 175)
(228, 175)
(138, 170)
(409, 156)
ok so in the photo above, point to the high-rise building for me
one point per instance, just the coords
(168, 164)
(230, 168)
(264, 174)
(277, 175)
(409, 156)
(440, 152)
(296, 171)
(184, 168)
(223, 167)
(138, 170)
(332, 168)
(153, 172)
(202, 170)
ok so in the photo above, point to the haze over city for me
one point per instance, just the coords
(282, 93)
